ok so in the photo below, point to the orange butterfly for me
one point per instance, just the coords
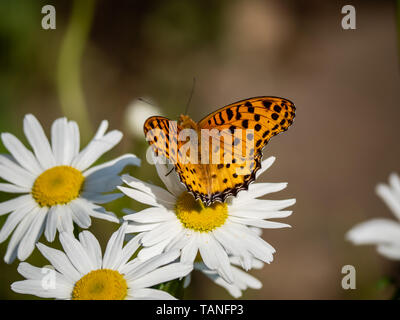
(221, 164)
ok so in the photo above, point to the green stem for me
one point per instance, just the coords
(69, 64)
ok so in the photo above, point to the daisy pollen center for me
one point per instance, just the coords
(194, 215)
(102, 284)
(57, 185)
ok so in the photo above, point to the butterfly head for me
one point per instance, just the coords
(186, 122)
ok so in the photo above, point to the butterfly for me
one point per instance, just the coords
(220, 167)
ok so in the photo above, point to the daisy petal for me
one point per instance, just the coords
(21, 154)
(32, 235)
(11, 188)
(389, 251)
(265, 165)
(375, 231)
(76, 253)
(160, 275)
(92, 248)
(14, 219)
(63, 145)
(151, 265)
(51, 224)
(150, 294)
(14, 204)
(80, 215)
(113, 251)
(96, 148)
(18, 234)
(112, 167)
(38, 140)
(35, 287)
(171, 180)
(13, 173)
(60, 262)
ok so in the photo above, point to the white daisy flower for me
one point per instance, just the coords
(81, 273)
(241, 280)
(176, 221)
(57, 185)
(384, 233)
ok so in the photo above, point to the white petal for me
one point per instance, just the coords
(76, 253)
(215, 257)
(181, 240)
(80, 214)
(92, 248)
(65, 223)
(166, 230)
(391, 198)
(161, 195)
(32, 235)
(257, 190)
(113, 253)
(151, 264)
(140, 196)
(30, 272)
(389, 251)
(21, 154)
(127, 252)
(267, 205)
(134, 227)
(113, 167)
(34, 273)
(265, 165)
(189, 251)
(160, 275)
(150, 294)
(60, 262)
(259, 214)
(259, 248)
(100, 144)
(98, 198)
(11, 188)
(259, 223)
(53, 217)
(35, 287)
(15, 203)
(150, 215)
(13, 173)
(14, 218)
(248, 280)
(234, 246)
(18, 234)
(98, 212)
(394, 181)
(62, 144)
(75, 138)
(37, 139)
(375, 231)
(150, 252)
(170, 179)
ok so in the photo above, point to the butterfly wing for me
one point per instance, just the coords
(259, 119)
(161, 134)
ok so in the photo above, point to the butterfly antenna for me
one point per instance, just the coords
(191, 95)
(169, 172)
(145, 101)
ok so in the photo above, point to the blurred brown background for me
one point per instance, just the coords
(345, 84)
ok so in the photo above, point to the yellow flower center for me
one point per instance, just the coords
(57, 185)
(194, 215)
(102, 284)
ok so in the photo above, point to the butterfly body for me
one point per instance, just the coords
(228, 144)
